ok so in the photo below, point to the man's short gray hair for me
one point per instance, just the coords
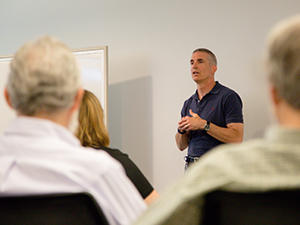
(212, 56)
(44, 76)
(283, 60)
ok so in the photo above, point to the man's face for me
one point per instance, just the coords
(201, 69)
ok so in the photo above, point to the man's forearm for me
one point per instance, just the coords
(233, 133)
(182, 141)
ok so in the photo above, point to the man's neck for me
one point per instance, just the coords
(61, 117)
(288, 116)
(205, 87)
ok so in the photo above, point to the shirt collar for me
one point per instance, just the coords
(280, 134)
(216, 89)
(32, 126)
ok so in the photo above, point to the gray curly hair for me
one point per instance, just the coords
(44, 75)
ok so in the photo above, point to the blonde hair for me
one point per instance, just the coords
(92, 131)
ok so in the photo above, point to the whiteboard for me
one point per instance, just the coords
(93, 64)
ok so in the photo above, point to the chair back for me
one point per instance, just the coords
(262, 208)
(51, 209)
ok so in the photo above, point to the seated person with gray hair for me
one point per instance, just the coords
(39, 153)
(267, 164)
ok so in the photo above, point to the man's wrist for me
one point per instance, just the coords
(206, 126)
(181, 132)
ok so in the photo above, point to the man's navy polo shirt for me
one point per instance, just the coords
(220, 106)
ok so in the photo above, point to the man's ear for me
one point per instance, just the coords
(213, 69)
(274, 95)
(77, 100)
(7, 98)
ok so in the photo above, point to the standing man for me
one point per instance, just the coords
(211, 116)
(260, 165)
(38, 153)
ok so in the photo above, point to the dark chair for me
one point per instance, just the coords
(263, 208)
(51, 209)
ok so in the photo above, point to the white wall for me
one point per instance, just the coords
(149, 45)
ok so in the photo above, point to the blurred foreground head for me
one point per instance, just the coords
(44, 77)
(283, 61)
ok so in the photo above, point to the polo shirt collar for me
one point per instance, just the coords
(216, 89)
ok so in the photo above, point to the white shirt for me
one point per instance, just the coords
(39, 156)
(266, 164)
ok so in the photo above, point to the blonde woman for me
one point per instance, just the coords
(92, 132)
